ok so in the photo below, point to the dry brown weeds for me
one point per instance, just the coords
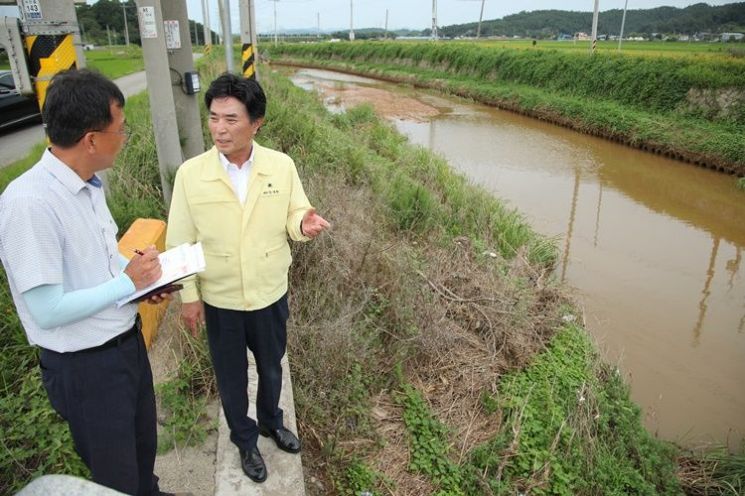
(455, 318)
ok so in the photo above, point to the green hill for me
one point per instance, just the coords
(698, 18)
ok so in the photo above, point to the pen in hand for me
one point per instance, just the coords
(139, 252)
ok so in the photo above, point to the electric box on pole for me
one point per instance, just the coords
(185, 82)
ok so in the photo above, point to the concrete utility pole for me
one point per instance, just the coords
(318, 24)
(481, 16)
(126, 26)
(227, 33)
(275, 21)
(351, 20)
(162, 105)
(434, 20)
(385, 32)
(206, 21)
(196, 34)
(181, 61)
(595, 27)
(623, 24)
(249, 47)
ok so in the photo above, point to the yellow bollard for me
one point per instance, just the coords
(141, 234)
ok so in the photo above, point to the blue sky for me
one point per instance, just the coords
(415, 14)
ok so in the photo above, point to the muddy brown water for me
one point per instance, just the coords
(653, 246)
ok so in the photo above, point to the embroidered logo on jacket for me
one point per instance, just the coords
(270, 190)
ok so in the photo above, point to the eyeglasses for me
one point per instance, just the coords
(126, 133)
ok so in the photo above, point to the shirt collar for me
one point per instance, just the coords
(64, 173)
(248, 163)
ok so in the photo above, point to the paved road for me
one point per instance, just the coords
(15, 144)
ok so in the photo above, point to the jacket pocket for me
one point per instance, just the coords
(221, 268)
(275, 264)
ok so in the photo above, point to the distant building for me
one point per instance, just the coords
(733, 36)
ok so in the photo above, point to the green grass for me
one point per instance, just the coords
(15, 169)
(659, 84)
(640, 101)
(656, 48)
(570, 428)
(116, 62)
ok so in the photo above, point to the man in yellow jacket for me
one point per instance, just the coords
(241, 201)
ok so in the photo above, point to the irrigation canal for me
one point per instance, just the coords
(653, 246)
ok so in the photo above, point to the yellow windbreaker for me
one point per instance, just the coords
(245, 246)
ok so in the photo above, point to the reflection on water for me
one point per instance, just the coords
(653, 246)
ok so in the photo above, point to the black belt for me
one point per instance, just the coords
(121, 338)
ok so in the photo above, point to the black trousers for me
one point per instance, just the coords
(106, 396)
(264, 332)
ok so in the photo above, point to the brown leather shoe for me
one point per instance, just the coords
(286, 440)
(253, 465)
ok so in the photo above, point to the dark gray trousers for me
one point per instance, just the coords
(264, 332)
(106, 396)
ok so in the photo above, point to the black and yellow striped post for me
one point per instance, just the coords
(49, 54)
(249, 63)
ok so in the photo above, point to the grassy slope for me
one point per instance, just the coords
(642, 101)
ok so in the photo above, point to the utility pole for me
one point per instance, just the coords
(481, 16)
(162, 106)
(227, 33)
(275, 22)
(108, 35)
(318, 23)
(623, 23)
(126, 27)
(595, 27)
(385, 33)
(181, 63)
(351, 20)
(206, 19)
(434, 20)
(249, 47)
(196, 34)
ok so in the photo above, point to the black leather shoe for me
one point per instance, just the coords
(286, 440)
(253, 465)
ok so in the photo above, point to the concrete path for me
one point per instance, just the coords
(285, 469)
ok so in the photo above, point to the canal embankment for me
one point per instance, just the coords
(686, 108)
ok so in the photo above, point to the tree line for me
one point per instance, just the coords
(95, 19)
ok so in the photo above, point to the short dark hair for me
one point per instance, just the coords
(78, 101)
(247, 91)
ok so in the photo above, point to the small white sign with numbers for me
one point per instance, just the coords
(173, 37)
(148, 26)
(32, 10)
